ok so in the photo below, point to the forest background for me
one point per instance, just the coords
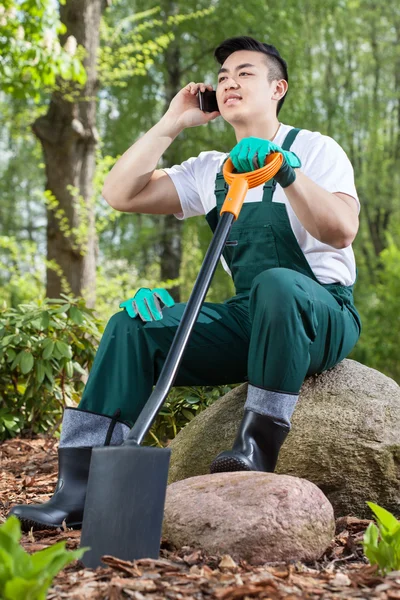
(81, 80)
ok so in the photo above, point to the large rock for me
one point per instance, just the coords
(344, 438)
(258, 517)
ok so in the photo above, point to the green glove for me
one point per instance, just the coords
(146, 304)
(250, 154)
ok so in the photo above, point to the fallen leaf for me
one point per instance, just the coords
(192, 559)
(340, 580)
(227, 562)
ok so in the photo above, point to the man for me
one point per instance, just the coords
(290, 256)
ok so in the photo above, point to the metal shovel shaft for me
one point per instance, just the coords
(175, 354)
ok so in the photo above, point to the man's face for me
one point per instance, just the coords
(243, 89)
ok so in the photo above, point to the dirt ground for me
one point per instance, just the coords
(28, 473)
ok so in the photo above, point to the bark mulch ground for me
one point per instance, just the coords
(28, 473)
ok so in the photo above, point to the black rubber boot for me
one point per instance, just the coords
(256, 447)
(68, 500)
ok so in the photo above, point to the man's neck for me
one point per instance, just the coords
(266, 130)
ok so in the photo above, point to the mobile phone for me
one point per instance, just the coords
(208, 101)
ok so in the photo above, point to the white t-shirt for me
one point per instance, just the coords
(323, 161)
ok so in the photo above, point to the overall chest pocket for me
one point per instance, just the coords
(249, 251)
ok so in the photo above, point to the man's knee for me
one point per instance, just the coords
(274, 286)
(121, 322)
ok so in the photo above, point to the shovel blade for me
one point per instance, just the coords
(124, 504)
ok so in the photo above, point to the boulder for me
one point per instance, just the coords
(258, 517)
(344, 438)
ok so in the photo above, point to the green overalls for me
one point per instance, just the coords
(281, 325)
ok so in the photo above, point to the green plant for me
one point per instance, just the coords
(181, 406)
(382, 544)
(45, 350)
(26, 576)
(377, 302)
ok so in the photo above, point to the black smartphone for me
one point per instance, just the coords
(208, 101)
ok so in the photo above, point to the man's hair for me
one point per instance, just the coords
(277, 67)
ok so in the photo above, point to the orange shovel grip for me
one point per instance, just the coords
(240, 183)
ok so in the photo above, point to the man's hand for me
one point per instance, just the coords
(250, 154)
(184, 108)
(146, 304)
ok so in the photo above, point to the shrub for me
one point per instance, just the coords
(46, 349)
(46, 352)
(181, 406)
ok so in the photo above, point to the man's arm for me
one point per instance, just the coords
(330, 218)
(134, 184)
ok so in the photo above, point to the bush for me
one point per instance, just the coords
(46, 349)
(181, 406)
(46, 352)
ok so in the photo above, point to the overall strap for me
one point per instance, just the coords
(221, 187)
(289, 139)
(269, 186)
(220, 184)
(220, 191)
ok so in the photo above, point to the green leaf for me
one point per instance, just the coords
(17, 360)
(45, 319)
(10, 534)
(64, 349)
(24, 576)
(23, 589)
(40, 372)
(79, 369)
(187, 414)
(191, 400)
(61, 309)
(12, 528)
(6, 340)
(381, 546)
(69, 369)
(48, 350)
(51, 560)
(27, 362)
(11, 354)
(49, 372)
(6, 567)
(76, 315)
(385, 518)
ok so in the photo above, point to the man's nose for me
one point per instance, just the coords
(230, 83)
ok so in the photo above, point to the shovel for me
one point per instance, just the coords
(127, 484)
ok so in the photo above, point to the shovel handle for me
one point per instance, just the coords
(240, 183)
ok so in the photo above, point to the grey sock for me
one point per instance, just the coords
(81, 428)
(279, 406)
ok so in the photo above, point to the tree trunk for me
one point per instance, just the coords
(68, 137)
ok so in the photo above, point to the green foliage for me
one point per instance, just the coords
(21, 274)
(379, 307)
(382, 544)
(31, 55)
(129, 47)
(78, 235)
(181, 406)
(45, 350)
(26, 576)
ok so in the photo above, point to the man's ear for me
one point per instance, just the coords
(280, 89)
